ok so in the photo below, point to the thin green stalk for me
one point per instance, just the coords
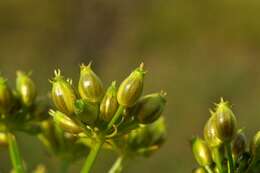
(92, 157)
(95, 150)
(115, 117)
(15, 154)
(117, 166)
(218, 159)
(64, 167)
(208, 169)
(229, 157)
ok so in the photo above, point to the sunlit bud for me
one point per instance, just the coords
(210, 133)
(87, 112)
(131, 88)
(255, 145)
(63, 95)
(65, 122)
(199, 170)
(108, 106)
(90, 86)
(3, 139)
(239, 144)
(149, 108)
(25, 88)
(201, 152)
(225, 122)
(5, 96)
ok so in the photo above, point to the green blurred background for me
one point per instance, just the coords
(197, 51)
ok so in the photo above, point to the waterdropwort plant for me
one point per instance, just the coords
(225, 148)
(19, 111)
(119, 119)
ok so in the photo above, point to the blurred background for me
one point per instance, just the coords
(197, 51)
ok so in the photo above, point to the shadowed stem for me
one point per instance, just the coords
(218, 159)
(64, 167)
(117, 166)
(95, 150)
(15, 154)
(92, 157)
(229, 157)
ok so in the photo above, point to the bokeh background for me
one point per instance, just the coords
(197, 51)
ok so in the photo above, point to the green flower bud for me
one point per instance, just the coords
(131, 88)
(108, 106)
(149, 108)
(63, 95)
(239, 144)
(25, 88)
(199, 170)
(225, 122)
(5, 96)
(3, 140)
(210, 133)
(90, 86)
(86, 112)
(201, 152)
(147, 139)
(65, 122)
(255, 145)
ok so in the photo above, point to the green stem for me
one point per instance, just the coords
(117, 166)
(92, 157)
(15, 154)
(229, 157)
(64, 167)
(218, 158)
(115, 117)
(208, 169)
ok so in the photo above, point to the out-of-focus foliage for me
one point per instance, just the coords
(197, 51)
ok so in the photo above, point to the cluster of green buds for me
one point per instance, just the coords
(225, 148)
(19, 109)
(102, 117)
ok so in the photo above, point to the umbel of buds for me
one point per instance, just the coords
(98, 117)
(228, 146)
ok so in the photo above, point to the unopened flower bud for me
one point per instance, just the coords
(90, 86)
(25, 88)
(5, 96)
(63, 95)
(131, 88)
(108, 106)
(65, 122)
(255, 146)
(239, 144)
(199, 170)
(149, 108)
(210, 133)
(201, 152)
(86, 112)
(147, 139)
(3, 139)
(225, 122)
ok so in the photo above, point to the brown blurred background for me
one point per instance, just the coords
(197, 51)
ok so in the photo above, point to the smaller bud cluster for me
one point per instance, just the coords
(225, 147)
(19, 109)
